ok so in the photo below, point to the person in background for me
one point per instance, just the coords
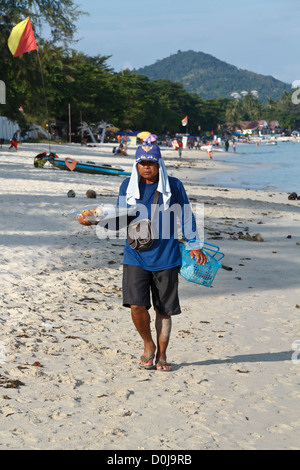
(180, 147)
(14, 140)
(120, 150)
(209, 150)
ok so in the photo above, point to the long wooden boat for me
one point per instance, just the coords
(70, 164)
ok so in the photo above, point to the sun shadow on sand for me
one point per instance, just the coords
(280, 356)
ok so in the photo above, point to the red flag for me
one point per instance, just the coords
(22, 38)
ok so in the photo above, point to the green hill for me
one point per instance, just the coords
(212, 78)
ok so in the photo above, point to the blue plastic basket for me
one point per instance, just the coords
(203, 274)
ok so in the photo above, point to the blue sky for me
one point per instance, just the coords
(258, 35)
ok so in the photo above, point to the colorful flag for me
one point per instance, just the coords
(22, 39)
(184, 121)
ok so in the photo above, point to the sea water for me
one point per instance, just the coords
(266, 167)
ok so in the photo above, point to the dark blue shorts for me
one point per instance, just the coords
(138, 283)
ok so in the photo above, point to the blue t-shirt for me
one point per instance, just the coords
(164, 253)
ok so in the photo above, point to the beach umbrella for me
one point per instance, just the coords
(150, 138)
(112, 129)
(143, 135)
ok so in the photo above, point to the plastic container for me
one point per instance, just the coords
(203, 274)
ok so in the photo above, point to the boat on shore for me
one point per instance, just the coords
(70, 164)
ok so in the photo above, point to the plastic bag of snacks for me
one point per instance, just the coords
(103, 212)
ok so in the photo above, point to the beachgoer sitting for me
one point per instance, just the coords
(121, 151)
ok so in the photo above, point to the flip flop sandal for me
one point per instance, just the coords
(162, 364)
(144, 366)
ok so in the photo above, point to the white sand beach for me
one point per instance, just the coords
(71, 351)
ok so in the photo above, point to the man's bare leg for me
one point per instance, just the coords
(141, 319)
(163, 325)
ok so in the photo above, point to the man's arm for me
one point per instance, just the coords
(121, 221)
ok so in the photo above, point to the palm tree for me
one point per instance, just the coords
(84, 127)
(234, 114)
(103, 125)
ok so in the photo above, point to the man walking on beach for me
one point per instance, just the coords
(155, 270)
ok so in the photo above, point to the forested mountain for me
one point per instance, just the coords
(212, 78)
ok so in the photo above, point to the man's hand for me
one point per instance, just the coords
(201, 258)
(83, 221)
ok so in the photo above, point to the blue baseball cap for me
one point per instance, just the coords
(148, 152)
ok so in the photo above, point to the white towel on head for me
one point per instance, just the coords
(133, 190)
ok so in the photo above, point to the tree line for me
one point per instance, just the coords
(96, 92)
